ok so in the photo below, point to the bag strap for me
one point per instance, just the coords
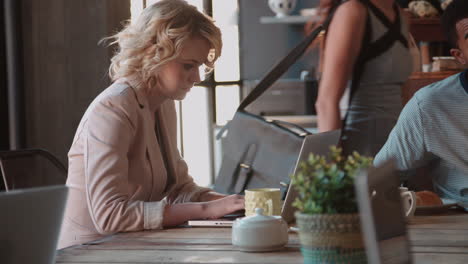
(358, 69)
(392, 35)
(356, 77)
(281, 67)
(245, 170)
(370, 50)
(301, 131)
(361, 59)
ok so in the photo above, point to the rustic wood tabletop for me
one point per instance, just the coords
(434, 239)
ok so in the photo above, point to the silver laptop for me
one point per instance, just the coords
(30, 224)
(317, 144)
(382, 217)
(225, 221)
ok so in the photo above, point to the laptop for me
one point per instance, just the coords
(315, 143)
(225, 221)
(318, 144)
(30, 224)
(382, 215)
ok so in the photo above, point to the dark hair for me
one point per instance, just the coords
(455, 11)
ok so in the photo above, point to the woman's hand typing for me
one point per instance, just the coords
(220, 207)
(176, 214)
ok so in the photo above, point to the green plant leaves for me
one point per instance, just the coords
(327, 186)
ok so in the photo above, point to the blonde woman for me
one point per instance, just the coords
(125, 172)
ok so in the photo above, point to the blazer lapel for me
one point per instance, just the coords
(161, 128)
(154, 150)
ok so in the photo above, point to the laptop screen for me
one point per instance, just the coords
(318, 144)
(30, 223)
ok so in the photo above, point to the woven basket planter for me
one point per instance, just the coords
(331, 238)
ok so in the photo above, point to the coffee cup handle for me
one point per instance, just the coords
(412, 197)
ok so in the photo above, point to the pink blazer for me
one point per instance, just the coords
(118, 178)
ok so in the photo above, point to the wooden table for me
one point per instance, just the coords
(434, 239)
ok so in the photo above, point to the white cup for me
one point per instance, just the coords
(408, 198)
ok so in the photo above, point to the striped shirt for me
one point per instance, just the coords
(433, 130)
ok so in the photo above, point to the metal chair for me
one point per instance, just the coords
(28, 168)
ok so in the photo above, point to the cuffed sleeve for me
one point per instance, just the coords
(154, 212)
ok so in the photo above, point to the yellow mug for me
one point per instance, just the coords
(269, 199)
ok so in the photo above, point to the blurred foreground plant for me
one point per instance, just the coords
(326, 185)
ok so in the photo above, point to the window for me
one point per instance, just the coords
(212, 103)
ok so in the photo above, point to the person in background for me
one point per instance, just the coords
(432, 129)
(366, 43)
(125, 171)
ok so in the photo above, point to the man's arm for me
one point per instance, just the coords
(406, 143)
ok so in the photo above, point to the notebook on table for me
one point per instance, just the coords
(317, 144)
(30, 224)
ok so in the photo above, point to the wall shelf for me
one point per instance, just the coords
(417, 80)
(426, 29)
(297, 20)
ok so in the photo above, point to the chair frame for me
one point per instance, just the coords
(14, 154)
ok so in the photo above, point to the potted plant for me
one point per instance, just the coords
(327, 216)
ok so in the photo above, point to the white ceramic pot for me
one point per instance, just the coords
(282, 7)
(259, 233)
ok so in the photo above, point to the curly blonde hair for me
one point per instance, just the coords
(157, 36)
